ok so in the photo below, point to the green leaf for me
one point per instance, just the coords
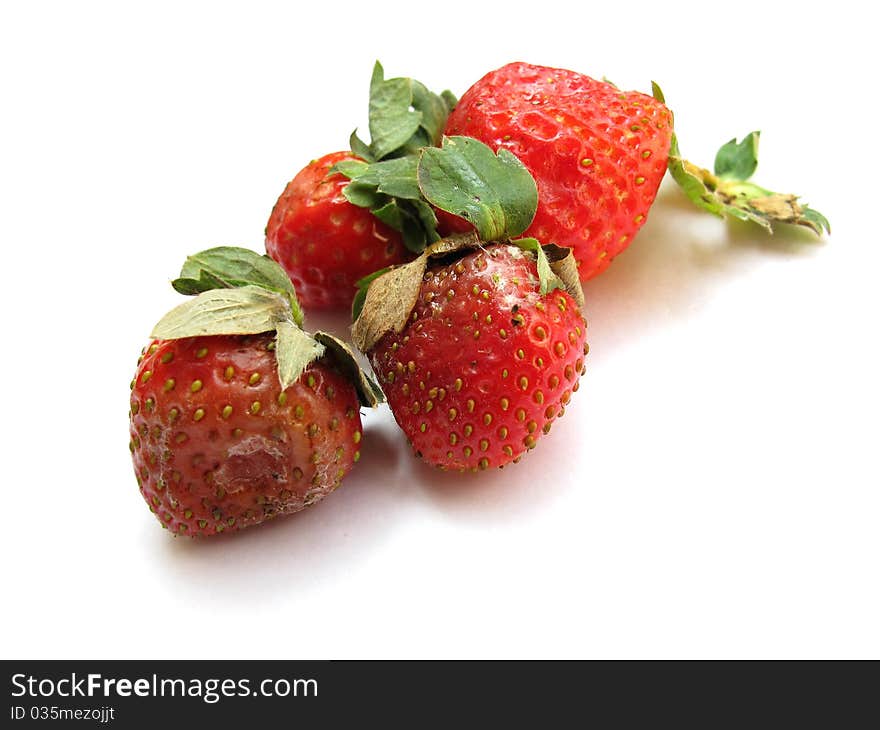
(694, 181)
(390, 214)
(415, 237)
(350, 168)
(819, 221)
(239, 292)
(364, 196)
(392, 120)
(294, 350)
(404, 116)
(434, 112)
(359, 147)
(428, 218)
(730, 193)
(369, 393)
(390, 189)
(232, 267)
(738, 161)
(413, 145)
(657, 92)
(495, 193)
(557, 268)
(400, 216)
(243, 311)
(204, 282)
(546, 276)
(397, 177)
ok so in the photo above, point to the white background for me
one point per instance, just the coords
(713, 489)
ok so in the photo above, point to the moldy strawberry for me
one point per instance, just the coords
(236, 414)
(480, 341)
(485, 363)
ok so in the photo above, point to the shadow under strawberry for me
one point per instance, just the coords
(679, 259)
(290, 556)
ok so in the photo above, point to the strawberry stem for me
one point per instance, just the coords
(728, 191)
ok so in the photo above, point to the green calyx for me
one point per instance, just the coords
(464, 177)
(403, 175)
(494, 192)
(727, 190)
(390, 190)
(404, 118)
(238, 292)
(231, 267)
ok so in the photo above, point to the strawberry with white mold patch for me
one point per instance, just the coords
(478, 343)
(237, 415)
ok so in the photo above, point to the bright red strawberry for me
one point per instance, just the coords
(218, 444)
(484, 362)
(598, 154)
(237, 415)
(324, 242)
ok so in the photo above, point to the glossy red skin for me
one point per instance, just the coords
(473, 380)
(202, 470)
(597, 154)
(325, 243)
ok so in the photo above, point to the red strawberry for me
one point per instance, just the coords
(482, 363)
(329, 234)
(218, 444)
(597, 154)
(253, 419)
(323, 241)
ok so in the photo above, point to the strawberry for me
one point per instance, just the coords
(328, 234)
(597, 154)
(478, 342)
(323, 241)
(219, 444)
(237, 415)
(485, 363)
